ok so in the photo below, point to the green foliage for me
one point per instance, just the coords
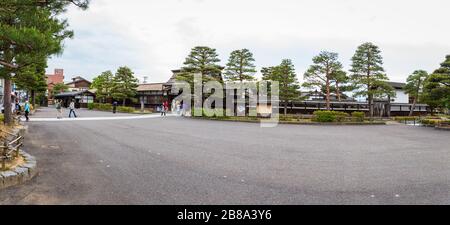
(430, 122)
(90, 106)
(323, 72)
(59, 88)
(368, 77)
(240, 66)
(437, 87)
(103, 84)
(329, 116)
(218, 112)
(124, 109)
(287, 79)
(358, 116)
(30, 32)
(415, 83)
(202, 60)
(102, 106)
(124, 84)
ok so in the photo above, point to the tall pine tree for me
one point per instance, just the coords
(322, 73)
(29, 31)
(124, 85)
(414, 86)
(289, 86)
(368, 75)
(240, 66)
(437, 87)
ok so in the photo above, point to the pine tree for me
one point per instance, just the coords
(368, 77)
(240, 66)
(103, 84)
(414, 86)
(321, 74)
(32, 79)
(437, 87)
(201, 60)
(29, 31)
(287, 78)
(124, 85)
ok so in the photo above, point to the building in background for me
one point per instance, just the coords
(52, 80)
(79, 84)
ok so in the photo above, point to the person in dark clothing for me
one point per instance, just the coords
(114, 106)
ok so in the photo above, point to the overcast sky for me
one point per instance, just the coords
(154, 36)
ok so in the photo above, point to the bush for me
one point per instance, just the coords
(324, 116)
(218, 112)
(432, 122)
(125, 109)
(90, 106)
(2, 118)
(358, 116)
(330, 116)
(102, 106)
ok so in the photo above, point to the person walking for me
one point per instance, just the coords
(163, 109)
(58, 109)
(27, 110)
(72, 109)
(114, 106)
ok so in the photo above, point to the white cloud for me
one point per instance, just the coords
(153, 37)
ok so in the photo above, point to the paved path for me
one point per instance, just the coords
(185, 161)
(48, 114)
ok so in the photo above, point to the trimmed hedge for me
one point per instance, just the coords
(102, 106)
(209, 112)
(358, 116)
(329, 116)
(124, 109)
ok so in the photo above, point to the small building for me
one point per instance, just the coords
(79, 84)
(151, 95)
(400, 95)
(82, 98)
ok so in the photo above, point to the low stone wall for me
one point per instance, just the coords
(21, 173)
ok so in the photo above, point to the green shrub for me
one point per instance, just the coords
(2, 118)
(90, 106)
(324, 116)
(218, 112)
(340, 116)
(358, 116)
(103, 106)
(432, 122)
(330, 116)
(125, 109)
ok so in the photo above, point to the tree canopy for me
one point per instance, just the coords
(289, 86)
(323, 72)
(437, 87)
(103, 84)
(124, 85)
(240, 66)
(368, 77)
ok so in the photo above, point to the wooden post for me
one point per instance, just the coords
(5, 147)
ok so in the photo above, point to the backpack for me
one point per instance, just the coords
(58, 106)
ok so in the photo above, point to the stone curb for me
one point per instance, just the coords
(20, 174)
(299, 123)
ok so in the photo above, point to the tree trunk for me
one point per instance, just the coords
(285, 107)
(7, 102)
(142, 104)
(33, 95)
(338, 92)
(328, 94)
(371, 107)
(123, 102)
(413, 106)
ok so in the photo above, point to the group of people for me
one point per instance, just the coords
(179, 108)
(59, 105)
